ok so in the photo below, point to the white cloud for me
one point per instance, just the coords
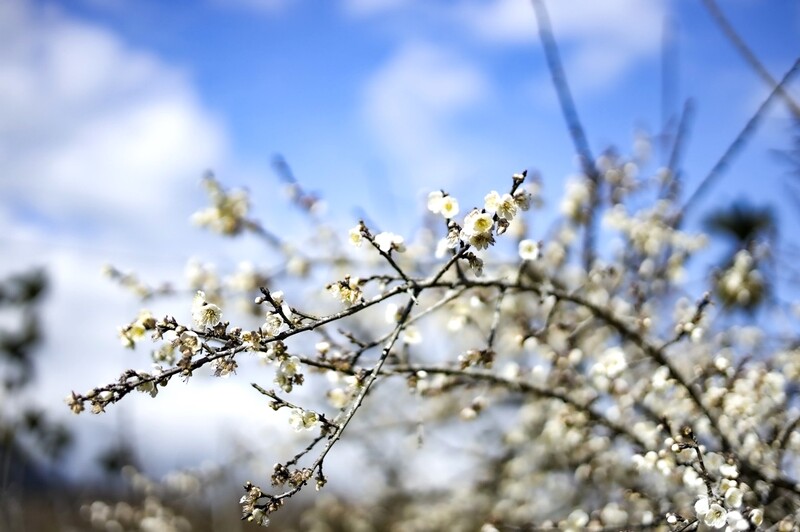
(261, 6)
(409, 105)
(600, 40)
(91, 127)
(101, 145)
(369, 7)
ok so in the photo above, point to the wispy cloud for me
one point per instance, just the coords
(410, 102)
(259, 6)
(371, 7)
(100, 147)
(601, 40)
(92, 128)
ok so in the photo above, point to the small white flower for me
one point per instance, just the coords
(505, 206)
(733, 497)
(701, 506)
(468, 413)
(278, 298)
(348, 290)
(716, 517)
(612, 362)
(411, 335)
(322, 347)
(757, 516)
(290, 366)
(481, 240)
(189, 343)
(578, 518)
(259, 517)
(476, 264)
(205, 314)
(273, 325)
(435, 201)
(338, 398)
(491, 201)
(660, 378)
(392, 313)
(355, 236)
(389, 241)
(736, 521)
(303, 419)
(523, 200)
(529, 249)
(148, 387)
(449, 207)
(245, 279)
(477, 223)
(576, 199)
(729, 470)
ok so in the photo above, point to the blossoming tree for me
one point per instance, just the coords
(607, 396)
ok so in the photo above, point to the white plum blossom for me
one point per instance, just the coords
(529, 249)
(204, 314)
(134, 332)
(576, 199)
(449, 208)
(729, 470)
(279, 300)
(435, 198)
(757, 517)
(355, 237)
(478, 226)
(303, 419)
(477, 223)
(290, 366)
(611, 363)
(736, 521)
(444, 204)
(389, 241)
(189, 343)
(712, 513)
(504, 206)
(338, 398)
(392, 313)
(287, 369)
(228, 213)
(273, 325)
(412, 335)
(742, 283)
(716, 517)
(733, 497)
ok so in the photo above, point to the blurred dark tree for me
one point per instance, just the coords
(28, 438)
(746, 227)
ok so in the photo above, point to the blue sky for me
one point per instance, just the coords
(111, 110)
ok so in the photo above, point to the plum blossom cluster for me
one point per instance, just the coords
(601, 395)
(228, 213)
(742, 283)
(155, 504)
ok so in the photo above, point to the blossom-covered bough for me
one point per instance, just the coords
(609, 393)
(657, 420)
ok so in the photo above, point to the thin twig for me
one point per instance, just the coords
(748, 55)
(671, 187)
(573, 123)
(743, 136)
